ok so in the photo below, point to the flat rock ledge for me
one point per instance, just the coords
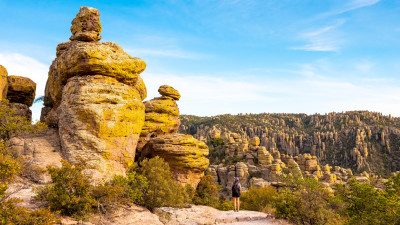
(204, 215)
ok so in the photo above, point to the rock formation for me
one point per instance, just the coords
(185, 155)
(162, 115)
(94, 95)
(19, 91)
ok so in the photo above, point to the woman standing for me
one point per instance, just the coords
(236, 194)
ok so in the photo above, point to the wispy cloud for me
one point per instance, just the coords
(322, 39)
(171, 53)
(352, 5)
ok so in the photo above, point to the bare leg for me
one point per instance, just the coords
(238, 204)
(234, 204)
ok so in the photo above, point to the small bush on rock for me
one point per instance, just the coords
(307, 203)
(258, 199)
(70, 192)
(162, 190)
(206, 192)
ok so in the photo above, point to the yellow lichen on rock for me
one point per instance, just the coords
(3, 82)
(185, 155)
(21, 90)
(91, 58)
(99, 117)
(166, 90)
(86, 25)
(162, 117)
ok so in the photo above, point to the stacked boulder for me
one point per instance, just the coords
(186, 155)
(19, 91)
(94, 98)
(162, 115)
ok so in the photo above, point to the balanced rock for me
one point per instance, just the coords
(86, 25)
(78, 58)
(21, 90)
(185, 155)
(99, 123)
(3, 82)
(169, 91)
(162, 117)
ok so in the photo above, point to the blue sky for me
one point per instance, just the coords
(239, 56)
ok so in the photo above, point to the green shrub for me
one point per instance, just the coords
(307, 203)
(258, 199)
(70, 192)
(134, 185)
(206, 192)
(10, 213)
(367, 205)
(109, 197)
(14, 125)
(162, 190)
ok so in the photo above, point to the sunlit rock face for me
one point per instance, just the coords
(94, 97)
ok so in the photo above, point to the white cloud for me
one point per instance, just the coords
(207, 95)
(322, 39)
(352, 5)
(21, 65)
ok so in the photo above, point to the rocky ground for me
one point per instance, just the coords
(132, 215)
(208, 215)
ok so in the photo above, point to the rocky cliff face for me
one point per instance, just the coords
(360, 140)
(94, 98)
(260, 148)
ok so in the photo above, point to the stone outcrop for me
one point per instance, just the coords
(169, 91)
(3, 82)
(162, 115)
(41, 150)
(185, 155)
(86, 25)
(94, 97)
(100, 122)
(79, 58)
(21, 90)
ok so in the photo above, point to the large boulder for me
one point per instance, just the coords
(86, 25)
(169, 91)
(185, 155)
(3, 82)
(100, 120)
(21, 90)
(79, 58)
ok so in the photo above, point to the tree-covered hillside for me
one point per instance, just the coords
(360, 140)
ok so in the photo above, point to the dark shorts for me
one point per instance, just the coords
(235, 195)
